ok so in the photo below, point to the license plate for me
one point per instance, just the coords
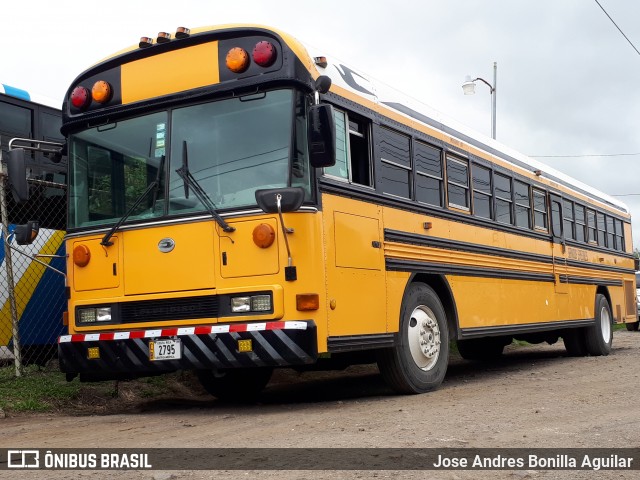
(165, 350)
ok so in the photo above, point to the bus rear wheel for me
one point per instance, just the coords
(418, 362)
(238, 385)
(599, 336)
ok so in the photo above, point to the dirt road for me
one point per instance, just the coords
(535, 396)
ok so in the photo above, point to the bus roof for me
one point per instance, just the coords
(24, 95)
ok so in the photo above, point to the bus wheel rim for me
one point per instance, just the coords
(605, 324)
(424, 338)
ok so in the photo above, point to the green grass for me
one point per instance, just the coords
(41, 390)
(37, 390)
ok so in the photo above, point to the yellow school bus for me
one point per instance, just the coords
(239, 202)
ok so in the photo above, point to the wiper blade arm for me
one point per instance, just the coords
(106, 239)
(201, 195)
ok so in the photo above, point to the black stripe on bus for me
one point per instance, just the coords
(360, 342)
(603, 268)
(526, 328)
(399, 265)
(423, 240)
(594, 281)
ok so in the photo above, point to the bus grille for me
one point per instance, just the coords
(170, 309)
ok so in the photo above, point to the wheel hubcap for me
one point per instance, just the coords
(605, 324)
(424, 337)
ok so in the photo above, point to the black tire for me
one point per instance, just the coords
(238, 385)
(411, 366)
(575, 342)
(483, 349)
(599, 336)
(632, 327)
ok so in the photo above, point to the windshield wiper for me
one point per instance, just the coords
(190, 181)
(153, 186)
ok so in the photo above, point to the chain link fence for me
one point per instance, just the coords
(32, 296)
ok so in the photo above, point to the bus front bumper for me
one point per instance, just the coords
(131, 354)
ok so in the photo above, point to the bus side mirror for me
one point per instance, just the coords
(321, 136)
(291, 199)
(27, 233)
(636, 263)
(17, 172)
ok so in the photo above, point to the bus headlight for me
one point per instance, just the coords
(254, 303)
(93, 315)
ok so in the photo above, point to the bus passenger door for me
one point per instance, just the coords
(559, 247)
(355, 267)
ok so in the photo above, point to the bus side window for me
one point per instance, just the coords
(352, 149)
(15, 121)
(556, 219)
(359, 151)
(395, 163)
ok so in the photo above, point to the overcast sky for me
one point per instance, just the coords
(568, 81)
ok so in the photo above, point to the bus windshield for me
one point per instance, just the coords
(230, 147)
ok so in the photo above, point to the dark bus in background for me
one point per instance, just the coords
(40, 293)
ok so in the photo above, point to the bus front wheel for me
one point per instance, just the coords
(418, 361)
(242, 384)
(599, 336)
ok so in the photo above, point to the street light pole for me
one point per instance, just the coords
(468, 88)
(493, 100)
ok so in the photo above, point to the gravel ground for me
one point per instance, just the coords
(534, 397)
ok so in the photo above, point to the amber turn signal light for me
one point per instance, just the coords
(101, 91)
(237, 60)
(307, 301)
(81, 255)
(264, 235)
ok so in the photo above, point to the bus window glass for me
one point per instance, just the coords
(601, 230)
(396, 163)
(556, 219)
(458, 182)
(503, 198)
(300, 167)
(591, 226)
(341, 167)
(581, 226)
(15, 120)
(569, 220)
(359, 151)
(481, 191)
(619, 235)
(50, 127)
(610, 232)
(232, 148)
(523, 204)
(428, 162)
(540, 209)
(111, 166)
